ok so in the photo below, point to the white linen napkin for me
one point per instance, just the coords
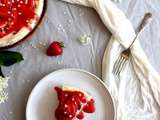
(136, 94)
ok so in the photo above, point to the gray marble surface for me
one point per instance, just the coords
(65, 22)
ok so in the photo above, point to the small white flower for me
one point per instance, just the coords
(85, 39)
(3, 86)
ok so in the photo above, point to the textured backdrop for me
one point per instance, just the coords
(65, 22)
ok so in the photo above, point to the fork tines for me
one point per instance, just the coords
(119, 64)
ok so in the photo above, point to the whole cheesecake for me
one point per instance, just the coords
(18, 18)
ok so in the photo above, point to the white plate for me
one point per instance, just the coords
(43, 99)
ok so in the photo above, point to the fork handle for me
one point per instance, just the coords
(147, 19)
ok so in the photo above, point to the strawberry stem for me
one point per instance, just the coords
(62, 44)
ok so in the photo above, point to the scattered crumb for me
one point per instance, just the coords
(10, 112)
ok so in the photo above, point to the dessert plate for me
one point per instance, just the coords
(43, 99)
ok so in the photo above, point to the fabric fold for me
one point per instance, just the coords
(136, 94)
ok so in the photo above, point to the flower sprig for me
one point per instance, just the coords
(3, 86)
(85, 39)
(7, 58)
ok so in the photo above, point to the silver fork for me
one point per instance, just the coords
(124, 56)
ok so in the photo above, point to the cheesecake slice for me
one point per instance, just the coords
(73, 103)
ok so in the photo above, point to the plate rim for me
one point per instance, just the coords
(69, 69)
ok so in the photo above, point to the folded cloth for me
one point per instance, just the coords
(136, 94)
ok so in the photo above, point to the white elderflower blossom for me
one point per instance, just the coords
(3, 86)
(85, 39)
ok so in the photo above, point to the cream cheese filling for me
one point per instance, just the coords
(69, 88)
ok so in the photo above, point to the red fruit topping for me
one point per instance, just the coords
(71, 105)
(80, 115)
(89, 107)
(76, 101)
(55, 49)
(15, 14)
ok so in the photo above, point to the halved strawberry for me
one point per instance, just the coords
(7, 3)
(90, 107)
(80, 115)
(72, 108)
(23, 8)
(31, 4)
(76, 101)
(2, 23)
(4, 12)
(4, 1)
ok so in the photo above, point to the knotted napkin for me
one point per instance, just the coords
(136, 94)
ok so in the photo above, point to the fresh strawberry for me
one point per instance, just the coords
(89, 108)
(55, 49)
(80, 115)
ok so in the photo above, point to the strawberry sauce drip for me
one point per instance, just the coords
(15, 14)
(72, 104)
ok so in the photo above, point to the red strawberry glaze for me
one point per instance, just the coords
(16, 14)
(72, 104)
